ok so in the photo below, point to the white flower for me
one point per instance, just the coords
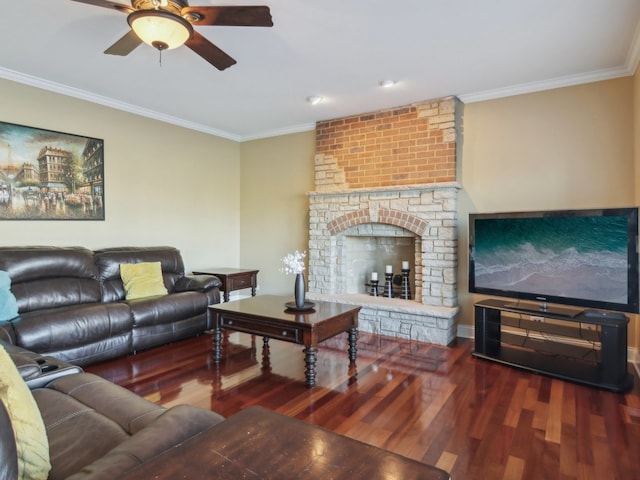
(293, 262)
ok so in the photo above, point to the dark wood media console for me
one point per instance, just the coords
(603, 364)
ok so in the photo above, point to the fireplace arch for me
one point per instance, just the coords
(387, 216)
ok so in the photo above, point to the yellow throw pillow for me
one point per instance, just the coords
(142, 280)
(28, 427)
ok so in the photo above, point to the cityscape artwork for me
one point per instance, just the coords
(47, 175)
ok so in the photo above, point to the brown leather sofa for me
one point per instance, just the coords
(72, 302)
(95, 429)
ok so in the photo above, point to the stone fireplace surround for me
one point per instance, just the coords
(428, 212)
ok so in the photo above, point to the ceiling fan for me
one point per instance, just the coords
(167, 24)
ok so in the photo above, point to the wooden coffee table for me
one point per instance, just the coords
(266, 315)
(259, 443)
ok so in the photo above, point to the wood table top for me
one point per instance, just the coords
(272, 307)
(259, 443)
(224, 271)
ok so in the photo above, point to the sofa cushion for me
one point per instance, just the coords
(128, 410)
(86, 416)
(108, 261)
(175, 426)
(8, 303)
(30, 435)
(141, 280)
(33, 262)
(81, 334)
(48, 277)
(167, 310)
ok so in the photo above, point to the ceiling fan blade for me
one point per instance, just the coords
(125, 45)
(247, 16)
(209, 52)
(107, 4)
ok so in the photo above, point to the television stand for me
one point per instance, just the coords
(542, 309)
(537, 346)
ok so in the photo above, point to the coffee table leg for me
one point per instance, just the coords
(266, 356)
(217, 344)
(353, 349)
(310, 363)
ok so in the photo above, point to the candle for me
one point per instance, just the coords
(389, 269)
(405, 265)
(374, 275)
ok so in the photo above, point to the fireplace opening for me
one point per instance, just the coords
(365, 255)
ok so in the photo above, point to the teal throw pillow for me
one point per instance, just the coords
(8, 303)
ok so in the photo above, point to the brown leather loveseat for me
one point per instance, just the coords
(72, 302)
(95, 430)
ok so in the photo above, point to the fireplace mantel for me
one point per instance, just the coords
(385, 190)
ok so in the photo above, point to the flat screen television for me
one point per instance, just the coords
(578, 258)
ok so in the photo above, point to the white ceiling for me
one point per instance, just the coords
(339, 49)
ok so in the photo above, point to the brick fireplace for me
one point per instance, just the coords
(386, 192)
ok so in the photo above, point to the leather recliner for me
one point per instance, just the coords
(72, 302)
(97, 430)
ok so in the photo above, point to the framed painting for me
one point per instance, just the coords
(47, 175)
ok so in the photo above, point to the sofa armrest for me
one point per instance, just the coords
(35, 369)
(176, 425)
(197, 283)
(26, 365)
(24, 360)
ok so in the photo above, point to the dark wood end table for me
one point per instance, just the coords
(267, 315)
(259, 443)
(233, 279)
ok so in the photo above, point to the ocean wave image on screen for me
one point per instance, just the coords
(579, 257)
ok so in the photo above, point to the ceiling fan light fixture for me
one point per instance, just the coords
(160, 29)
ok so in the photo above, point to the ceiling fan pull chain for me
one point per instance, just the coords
(160, 51)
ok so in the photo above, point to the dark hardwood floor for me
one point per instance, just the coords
(439, 405)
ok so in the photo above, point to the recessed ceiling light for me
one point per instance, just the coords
(315, 99)
(387, 83)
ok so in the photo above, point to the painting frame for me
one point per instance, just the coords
(50, 175)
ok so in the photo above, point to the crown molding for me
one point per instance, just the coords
(629, 69)
(533, 87)
(110, 102)
(304, 127)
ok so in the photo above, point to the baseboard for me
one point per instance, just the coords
(633, 356)
(466, 331)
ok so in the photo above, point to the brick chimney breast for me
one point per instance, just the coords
(386, 192)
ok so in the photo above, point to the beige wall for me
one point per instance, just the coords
(164, 185)
(276, 175)
(565, 148)
(559, 149)
(229, 204)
